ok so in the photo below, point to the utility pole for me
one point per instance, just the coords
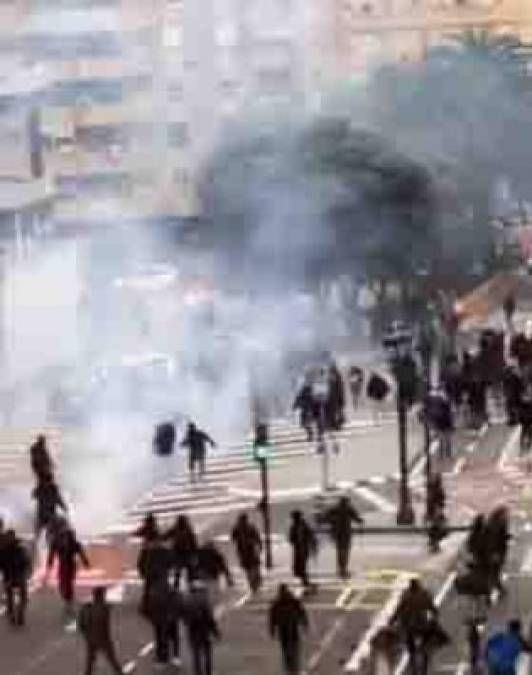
(261, 452)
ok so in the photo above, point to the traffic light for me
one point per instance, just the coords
(261, 444)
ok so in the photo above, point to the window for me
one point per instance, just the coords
(178, 134)
(175, 91)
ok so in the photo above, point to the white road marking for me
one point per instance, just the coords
(363, 648)
(526, 565)
(384, 505)
(419, 466)
(146, 649)
(459, 466)
(510, 448)
(129, 667)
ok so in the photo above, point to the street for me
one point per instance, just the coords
(342, 614)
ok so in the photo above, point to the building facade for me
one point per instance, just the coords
(116, 103)
(366, 32)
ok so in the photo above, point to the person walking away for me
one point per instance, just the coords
(513, 388)
(149, 530)
(66, 549)
(201, 628)
(248, 544)
(196, 441)
(497, 539)
(414, 614)
(440, 417)
(211, 566)
(340, 519)
(40, 459)
(308, 409)
(287, 618)
(15, 567)
(335, 403)
(49, 501)
(377, 390)
(164, 609)
(184, 546)
(355, 379)
(504, 648)
(154, 564)
(304, 544)
(94, 624)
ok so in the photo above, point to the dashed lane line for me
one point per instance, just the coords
(510, 448)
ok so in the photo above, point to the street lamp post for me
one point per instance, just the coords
(398, 344)
(261, 451)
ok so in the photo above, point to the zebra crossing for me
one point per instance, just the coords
(213, 494)
(14, 445)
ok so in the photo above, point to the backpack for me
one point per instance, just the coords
(502, 651)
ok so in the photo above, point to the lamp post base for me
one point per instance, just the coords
(405, 514)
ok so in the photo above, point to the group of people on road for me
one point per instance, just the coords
(18, 560)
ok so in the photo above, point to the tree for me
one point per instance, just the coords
(312, 202)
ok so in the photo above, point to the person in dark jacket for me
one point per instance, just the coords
(201, 628)
(211, 565)
(498, 536)
(308, 409)
(340, 519)
(439, 416)
(94, 624)
(377, 390)
(513, 387)
(304, 545)
(184, 546)
(49, 500)
(154, 563)
(196, 441)
(40, 459)
(414, 614)
(66, 549)
(248, 543)
(149, 530)
(287, 618)
(165, 609)
(15, 569)
(335, 404)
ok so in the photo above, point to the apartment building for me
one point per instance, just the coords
(366, 32)
(116, 103)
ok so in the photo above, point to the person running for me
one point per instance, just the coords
(304, 545)
(66, 549)
(49, 501)
(94, 624)
(196, 441)
(504, 648)
(184, 546)
(287, 618)
(248, 543)
(340, 519)
(40, 459)
(308, 408)
(164, 609)
(15, 567)
(201, 628)
(211, 566)
(149, 530)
